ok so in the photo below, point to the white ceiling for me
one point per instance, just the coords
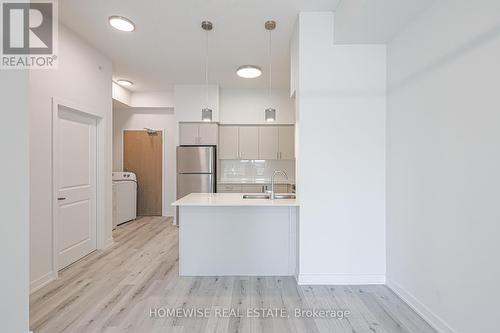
(168, 47)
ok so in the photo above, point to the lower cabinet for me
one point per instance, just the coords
(278, 188)
(252, 188)
(228, 188)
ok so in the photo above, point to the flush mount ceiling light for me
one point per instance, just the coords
(206, 112)
(121, 23)
(270, 112)
(249, 71)
(125, 83)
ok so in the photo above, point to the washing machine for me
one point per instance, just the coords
(124, 197)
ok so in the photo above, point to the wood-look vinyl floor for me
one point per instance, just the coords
(114, 291)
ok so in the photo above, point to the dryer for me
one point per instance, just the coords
(124, 197)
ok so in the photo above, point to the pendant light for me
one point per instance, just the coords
(270, 111)
(206, 113)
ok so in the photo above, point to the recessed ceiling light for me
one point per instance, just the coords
(125, 83)
(121, 23)
(249, 72)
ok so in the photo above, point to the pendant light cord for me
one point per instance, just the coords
(206, 67)
(270, 66)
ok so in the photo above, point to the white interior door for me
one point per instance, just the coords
(75, 177)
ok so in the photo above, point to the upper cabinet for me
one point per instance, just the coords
(268, 143)
(198, 134)
(228, 143)
(208, 134)
(256, 142)
(286, 142)
(188, 134)
(249, 142)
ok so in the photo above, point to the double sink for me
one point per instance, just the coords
(268, 196)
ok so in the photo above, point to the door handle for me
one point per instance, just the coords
(61, 199)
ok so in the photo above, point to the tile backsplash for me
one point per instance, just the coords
(254, 170)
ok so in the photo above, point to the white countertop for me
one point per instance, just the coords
(230, 199)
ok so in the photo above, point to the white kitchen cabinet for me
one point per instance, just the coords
(229, 188)
(252, 188)
(249, 142)
(256, 143)
(278, 188)
(286, 143)
(268, 143)
(208, 134)
(188, 134)
(198, 134)
(228, 143)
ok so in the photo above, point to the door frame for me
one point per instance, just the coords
(163, 156)
(100, 173)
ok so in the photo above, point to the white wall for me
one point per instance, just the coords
(152, 99)
(191, 99)
(366, 21)
(341, 161)
(156, 119)
(143, 99)
(121, 94)
(443, 165)
(14, 201)
(247, 106)
(83, 78)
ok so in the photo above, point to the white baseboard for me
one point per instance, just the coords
(430, 317)
(339, 279)
(42, 281)
(109, 243)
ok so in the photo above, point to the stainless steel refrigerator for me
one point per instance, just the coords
(195, 170)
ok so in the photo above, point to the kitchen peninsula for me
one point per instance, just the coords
(225, 234)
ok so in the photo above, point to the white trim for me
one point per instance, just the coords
(100, 190)
(430, 317)
(164, 205)
(42, 281)
(340, 279)
(292, 239)
(109, 243)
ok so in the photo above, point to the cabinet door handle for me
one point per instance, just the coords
(61, 199)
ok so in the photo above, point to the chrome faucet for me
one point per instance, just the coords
(276, 172)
